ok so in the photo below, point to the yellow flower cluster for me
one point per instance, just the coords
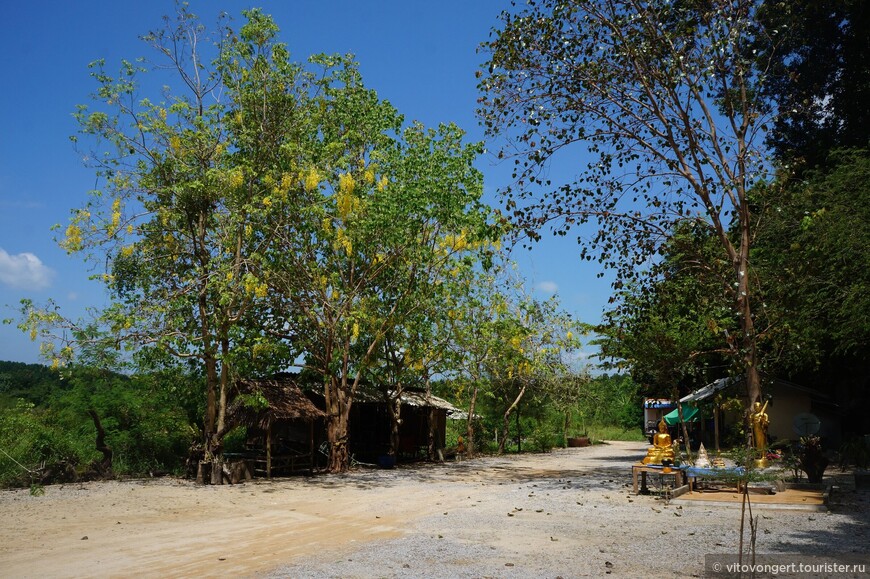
(312, 180)
(346, 183)
(286, 182)
(346, 202)
(73, 238)
(255, 287)
(354, 334)
(369, 175)
(454, 242)
(342, 241)
(116, 216)
(237, 177)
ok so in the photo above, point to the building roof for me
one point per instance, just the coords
(411, 397)
(261, 402)
(708, 390)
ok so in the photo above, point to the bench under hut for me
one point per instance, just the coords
(280, 422)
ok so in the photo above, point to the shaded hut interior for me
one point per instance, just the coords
(282, 426)
(370, 426)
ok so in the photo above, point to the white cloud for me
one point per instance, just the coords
(24, 271)
(549, 287)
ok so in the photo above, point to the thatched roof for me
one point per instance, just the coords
(259, 403)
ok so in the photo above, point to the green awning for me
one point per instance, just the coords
(690, 414)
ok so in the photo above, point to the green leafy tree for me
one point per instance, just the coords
(666, 112)
(535, 339)
(183, 206)
(668, 329)
(811, 252)
(391, 213)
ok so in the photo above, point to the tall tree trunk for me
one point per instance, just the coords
(224, 386)
(210, 418)
(338, 415)
(469, 431)
(566, 428)
(433, 416)
(506, 426)
(748, 342)
(394, 403)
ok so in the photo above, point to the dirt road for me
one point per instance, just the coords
(567, 513)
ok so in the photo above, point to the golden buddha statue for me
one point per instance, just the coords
(661, 449)
(758, 418)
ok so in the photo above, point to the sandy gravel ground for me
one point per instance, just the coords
(569, 513)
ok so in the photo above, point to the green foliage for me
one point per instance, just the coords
(30, 442)
(669, 329)
(543, 438)
(812, 254)
(611, 400)
(144, 417)
(855, 451)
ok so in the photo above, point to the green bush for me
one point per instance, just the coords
(30, 445)
(146, 420)
(542, 439)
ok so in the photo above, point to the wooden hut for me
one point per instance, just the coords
(281, 424)
(370, 425)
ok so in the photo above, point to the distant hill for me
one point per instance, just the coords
(32, 382)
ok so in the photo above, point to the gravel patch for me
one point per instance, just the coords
(571, 513)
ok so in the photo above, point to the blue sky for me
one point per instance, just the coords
(421, 56)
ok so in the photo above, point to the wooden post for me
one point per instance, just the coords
(311, 446)
(716, 425)
(685, 430)
(269, 449)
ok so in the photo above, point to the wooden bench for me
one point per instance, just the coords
(642, 470)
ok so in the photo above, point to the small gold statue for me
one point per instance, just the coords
(759, 420)
(661, 449)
